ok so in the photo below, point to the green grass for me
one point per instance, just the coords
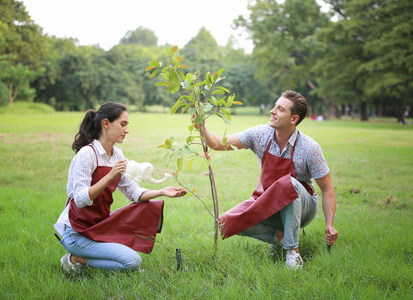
(371, 165)
(26, 108)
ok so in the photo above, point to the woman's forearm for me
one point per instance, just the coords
(150, 194)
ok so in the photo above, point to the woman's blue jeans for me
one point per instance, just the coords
(105, 256)
(291, 218)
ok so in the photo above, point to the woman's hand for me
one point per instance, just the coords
(118, 168)
(169, 191)
(103, 183)
(173, 192)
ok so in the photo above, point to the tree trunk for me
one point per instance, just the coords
(400, 115)
(216, 207)
(363, 111)
(214, 193)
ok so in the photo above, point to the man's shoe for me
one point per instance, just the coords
(294, 260)
(69, 267)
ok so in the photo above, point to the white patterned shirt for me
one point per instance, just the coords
(79, 181)
(309, 161)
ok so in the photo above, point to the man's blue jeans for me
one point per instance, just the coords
(295, 215)
(106, 256)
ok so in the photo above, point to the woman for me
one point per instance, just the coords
(92, 234)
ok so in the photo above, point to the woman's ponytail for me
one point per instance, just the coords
(87, 131)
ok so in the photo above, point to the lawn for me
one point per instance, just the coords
(371, 166)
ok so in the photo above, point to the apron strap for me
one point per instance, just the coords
(305, 184)
(97, 161)
(68, 201)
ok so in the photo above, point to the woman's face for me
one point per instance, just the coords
(118, 129)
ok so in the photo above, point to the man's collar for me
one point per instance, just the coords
(293, 137)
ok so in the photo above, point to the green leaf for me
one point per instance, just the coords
(192, 111)
(189, 139)
(222, 88)
(226, 121)
(179, 153)
(220, 71)
(189, 165)
(230, 99)
(219, 79)
(197, 119)
(154, 73)
(169, 51)
(162, 83)
(181, 75)
(187, 150)
(167, 159)
(208, 107)
(191, 127)
(174, 87)
(185, 107)
(224, 141)
(175, 107)
(179, 163)
(169, 142)
(219, 92)
(226, 113)
(155, 64)
(234, 147)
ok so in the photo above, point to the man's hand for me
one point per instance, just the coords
(331, 235)
(197, 126)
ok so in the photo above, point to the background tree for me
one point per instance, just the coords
(203, 52)
(338, 67)
(22, 45)
(140, 36)
(77, 86)
(17, 79)
(240, 69)
(47, 85)
(389, 48)
(285, 47)
(370, 45)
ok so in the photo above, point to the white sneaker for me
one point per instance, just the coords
(294, 260)
(69, 267)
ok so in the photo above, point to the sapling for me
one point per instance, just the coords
(201, 99)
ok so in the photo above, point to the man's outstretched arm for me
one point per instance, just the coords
(329, 207)
(214, 141)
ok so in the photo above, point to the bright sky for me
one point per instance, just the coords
(105, 22)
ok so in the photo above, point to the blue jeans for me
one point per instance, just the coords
(105, 256)
(298, 213)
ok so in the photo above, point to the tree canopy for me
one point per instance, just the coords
(358, 55)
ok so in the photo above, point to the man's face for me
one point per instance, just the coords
(281, 114)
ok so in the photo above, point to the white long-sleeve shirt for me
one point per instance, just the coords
(80, 177)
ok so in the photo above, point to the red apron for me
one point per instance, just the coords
(134, 225)
(274, 191)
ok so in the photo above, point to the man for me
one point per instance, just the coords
(285, 198)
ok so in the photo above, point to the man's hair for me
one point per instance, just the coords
(300, 105)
